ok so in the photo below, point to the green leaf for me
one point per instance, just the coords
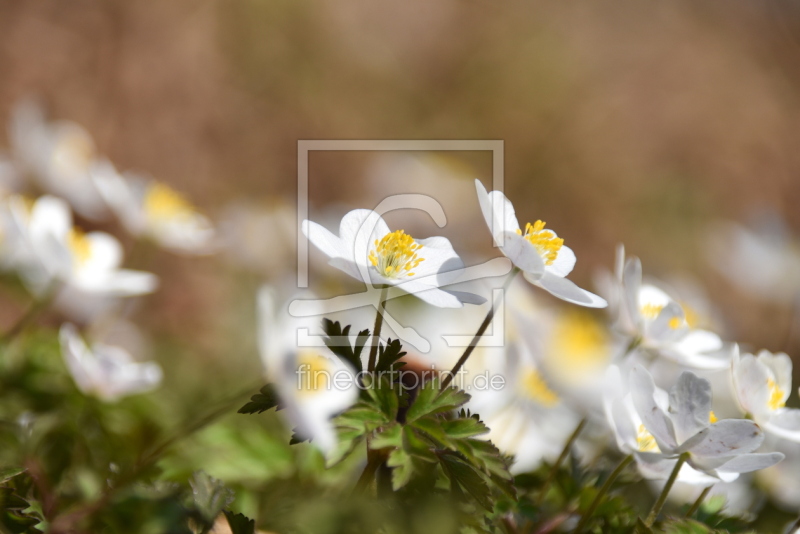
(388, 355)
(12, 513)
(337, 340)
(265, 400)
(210, 495)
(462, 475)
(391, 436)
(402, 468)
(464, 428)
(432, 400)
(385, 396)
(7, 473)
(240, 524)
(417, 447)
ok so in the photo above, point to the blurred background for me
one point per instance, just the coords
(642, 124)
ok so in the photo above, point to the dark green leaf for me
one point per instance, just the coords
(210, 495)
(265, 400)
(463, 475)
(464, 428)
(240, 524)
(431, 400)
(338, 341)
(388, 355)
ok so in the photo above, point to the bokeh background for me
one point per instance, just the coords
(623, 122)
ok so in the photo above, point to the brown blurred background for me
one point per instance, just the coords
(623, 122)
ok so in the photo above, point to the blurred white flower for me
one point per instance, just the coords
(658, 322)
(51, 249)
(721, 449)
(541, 255)
(259, 237)
(151, 209)
(762, 261)
(103, 371)
(58, 155)
(763, 384)
(367, 250)
(781, 481)
(312, 384)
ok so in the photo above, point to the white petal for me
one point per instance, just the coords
(564, 262)
(750, 378)
(729, 437)
(523, 254)
(690, 405)
(785, 423)
(498, 212)
(440, 260)
(566, 290)
(781, 366)
(105, 252)
(430, 294)
(323, 239)
(643, 391)
(747, 463)
(358, 232)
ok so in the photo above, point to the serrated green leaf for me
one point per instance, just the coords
(464, 476)
(388, 355)
(7, 473)
(417, 447)
(431, 426)
(361, 415)
(402, 468)
(210, 495)
(385, 397)
(464, 428)
(432, 400)
(264, 400)
(337, 340)
(391, 436)
(240, 524)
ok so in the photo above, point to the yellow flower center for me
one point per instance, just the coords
(537, 389)
(161, 202)
(579, 345)
(79, 245)
(675, 323)
(712, 417)
(395, 254)
(775, 395)
(645, 441)
(545, 241)
(650, 311)
(313, 373)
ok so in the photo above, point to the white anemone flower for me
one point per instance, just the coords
(312, 385)
(147, 208)
(367, 250)
(686, 424)
(762, 384)
(58, 155)
(658, 322)
(55, 251)
(538, 252)
(104, 371)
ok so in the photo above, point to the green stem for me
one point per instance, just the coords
(376, 331)
(699, 501)
(602, 493)
(561, 457)
(38, 307)
(374, 461)
(481, 329)
(665, 492)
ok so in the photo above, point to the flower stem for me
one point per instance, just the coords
(481, 329)
(38, 307)
(665, 492)
(376, 331)
(561, 457)
(374, 461)
(699, 501)
(602, 493)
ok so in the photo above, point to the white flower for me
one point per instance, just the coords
(106, 372)
(685, 424)
(152, 209)
(367, 250)
(58, 155)
(53, 250)
(538, 252)
(659, 322)
(312, 384)
(762, 384)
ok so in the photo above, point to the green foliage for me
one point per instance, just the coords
(336, 339)
(264, 400)
(240, 524)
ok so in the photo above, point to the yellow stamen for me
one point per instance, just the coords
(537, 389)
(650, 311)
(395, 255)
(79, 245)
(313, 373)
(545, 241)
(645, 441)
(776, 394)
(712, 417)
(161, 202)
(675, 323)
(579, 345)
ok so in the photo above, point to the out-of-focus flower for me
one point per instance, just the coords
(525, 415)
(538, 252)
(722, 449)
(59, 156)
(259, 237)
(51, 250)
(761, 261)
(658, 322)
(781, 481)
(312, 384)
(103, 371)
(154, 210)
(763, 384)
(367, 250)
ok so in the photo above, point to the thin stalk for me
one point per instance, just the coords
(374, 461)
(481, 329)
(699, 501)
(665, 492)
(561, 457)
(603, 491)
(37, 308)
(376, 331)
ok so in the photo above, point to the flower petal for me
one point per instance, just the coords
(728, 437)
(643, 392)
(690, 405)
(564, 262)
(323, 239)
(522, 254)
(498, 212)
(785, 423)
(750, 381)
(747, 463)
(566, 290)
